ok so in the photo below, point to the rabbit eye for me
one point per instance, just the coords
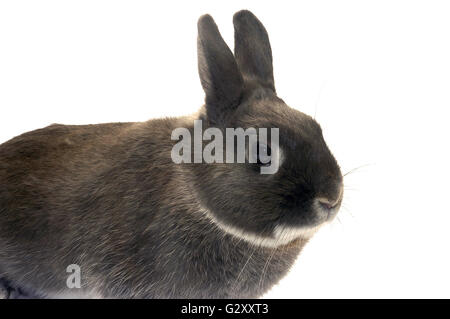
(261, 154)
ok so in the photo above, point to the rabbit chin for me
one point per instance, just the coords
(282, 235)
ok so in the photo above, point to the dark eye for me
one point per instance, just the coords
(264, 154)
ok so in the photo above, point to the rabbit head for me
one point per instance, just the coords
(306, 189)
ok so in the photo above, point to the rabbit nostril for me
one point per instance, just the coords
(327, 204)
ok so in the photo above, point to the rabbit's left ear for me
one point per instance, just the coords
(252, 49)
(218, 70)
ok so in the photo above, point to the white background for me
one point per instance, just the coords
(376, 74)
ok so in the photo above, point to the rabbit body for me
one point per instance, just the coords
(106, 198)
(110, 199)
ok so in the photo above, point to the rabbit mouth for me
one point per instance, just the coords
(323, 212)
(326, 208)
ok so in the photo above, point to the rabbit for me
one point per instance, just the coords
(109, 199)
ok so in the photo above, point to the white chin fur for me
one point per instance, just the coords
(282, 235)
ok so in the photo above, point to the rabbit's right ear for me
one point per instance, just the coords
(218, 70)
(252, 49)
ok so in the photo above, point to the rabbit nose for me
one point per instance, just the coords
(328, 204)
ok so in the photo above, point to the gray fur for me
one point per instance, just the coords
(109, 198)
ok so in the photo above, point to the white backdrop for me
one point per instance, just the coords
(375, 73)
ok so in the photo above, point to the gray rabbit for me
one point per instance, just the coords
(110, 199)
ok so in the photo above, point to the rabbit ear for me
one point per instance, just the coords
(219, 73)
(252, 49)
